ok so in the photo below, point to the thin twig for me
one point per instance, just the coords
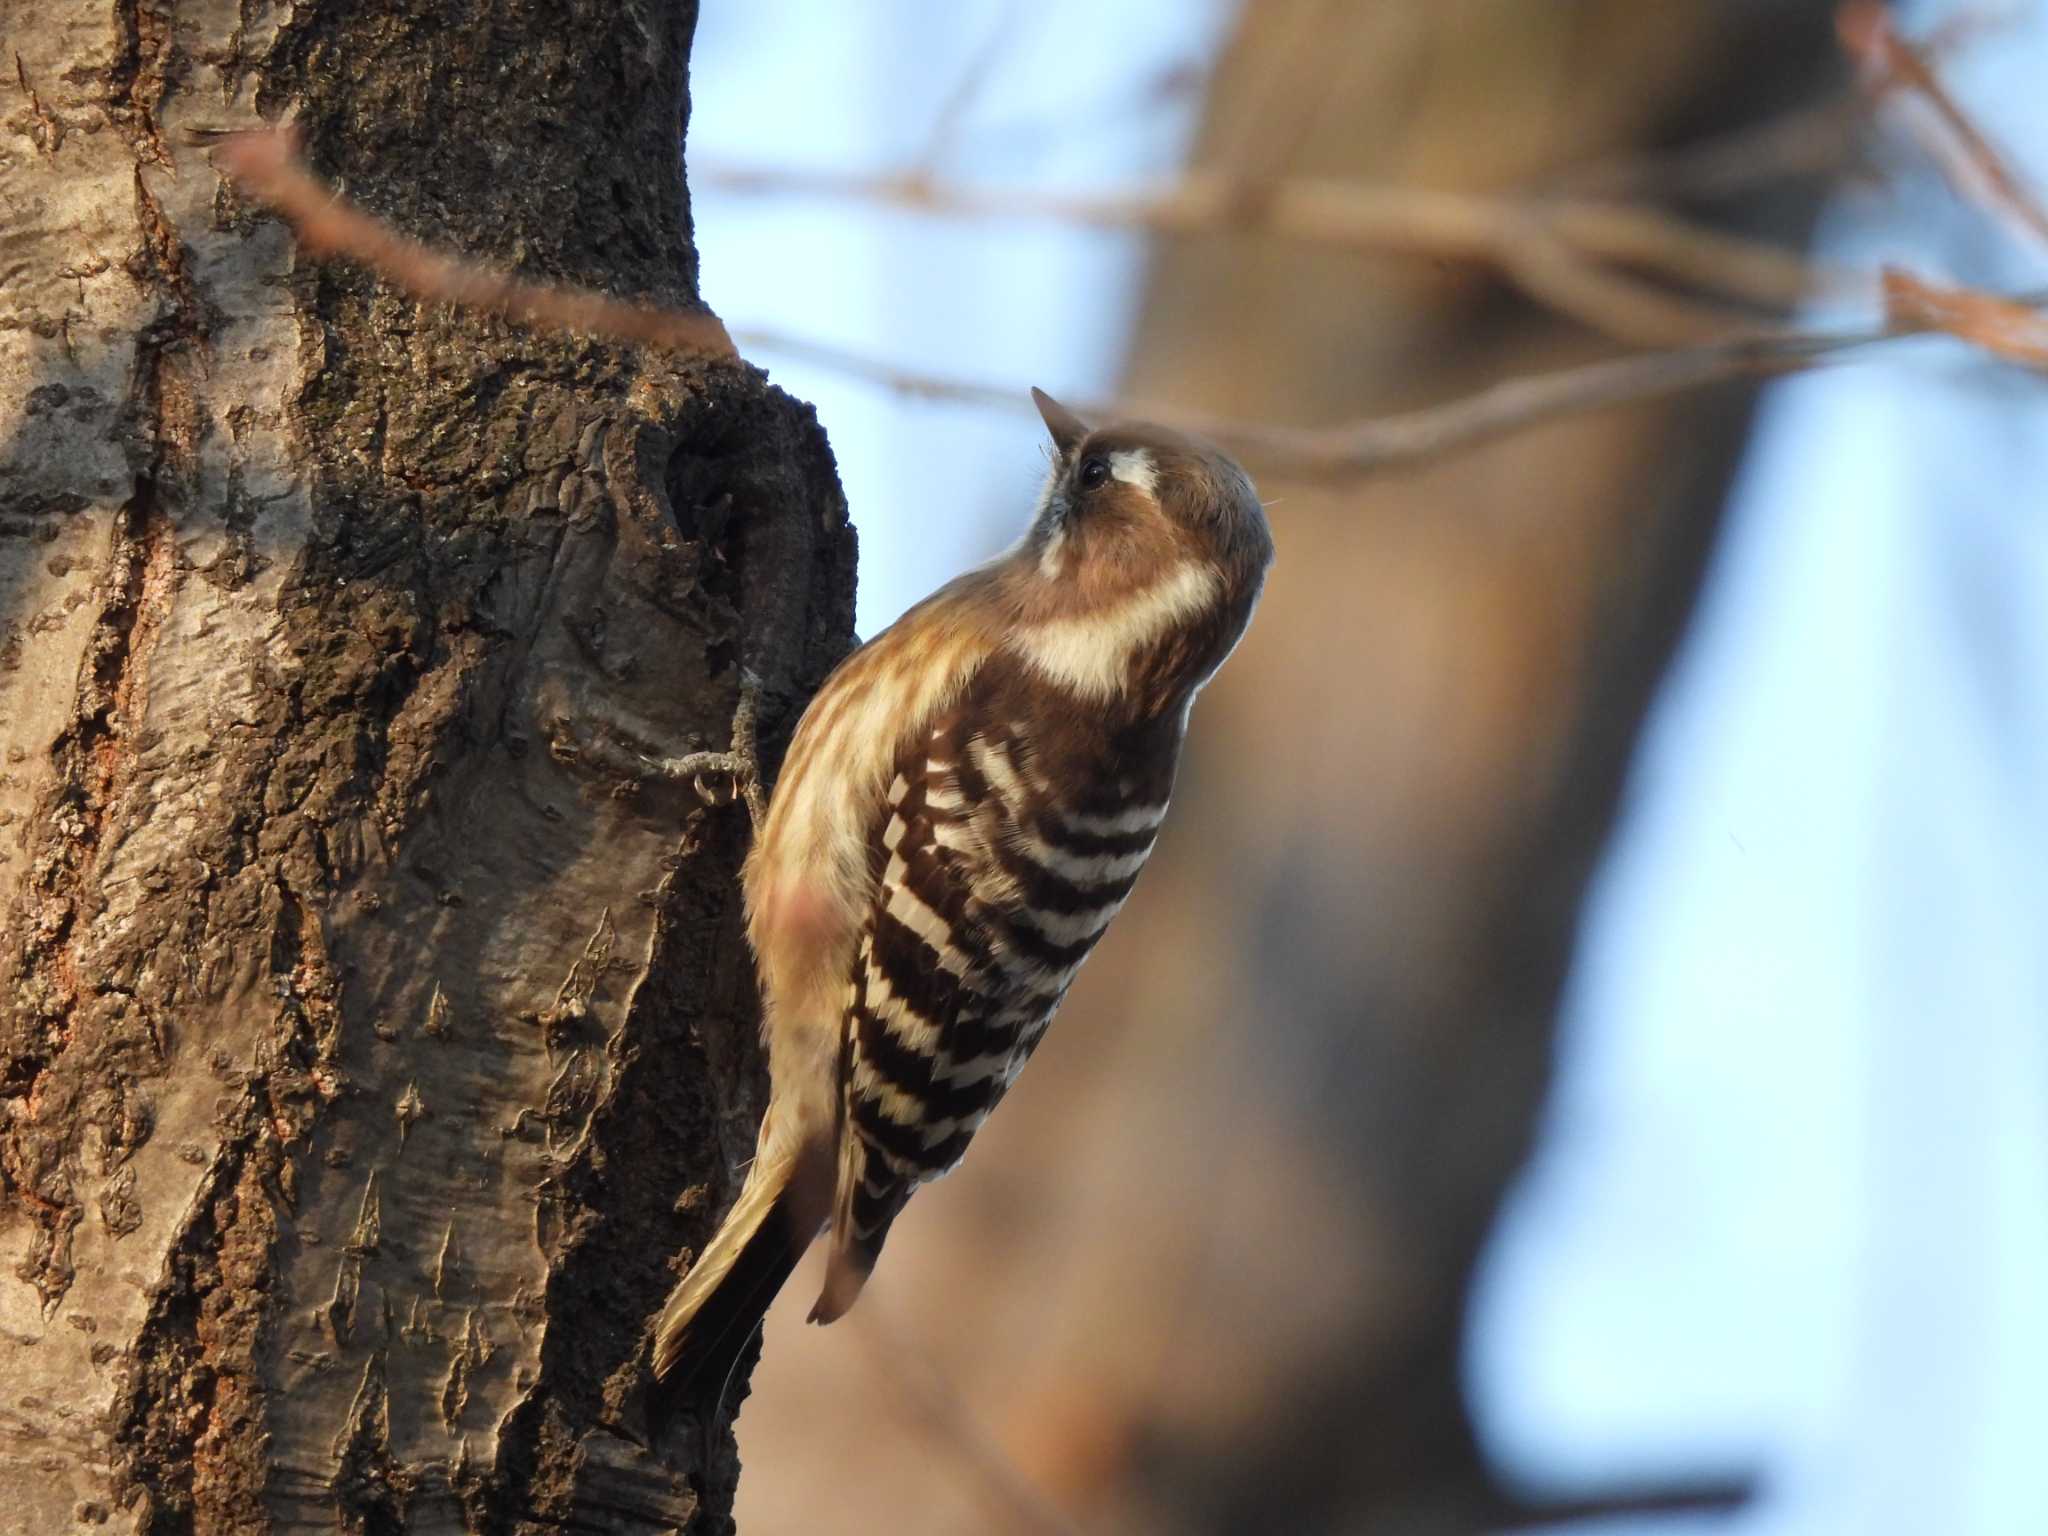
(267, 164)
(1812, 140)
(1963, 151)
(1514, 1515)
(1375, 445)
(1806, 141)
(1706, 258)
(1555, 272)
(1997, 325)
(328, 225)
(1055, 122)
(1360, 217)
(973, 80)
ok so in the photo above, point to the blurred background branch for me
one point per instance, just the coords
(1555, 242)
(2011, 328)
(1575, 254)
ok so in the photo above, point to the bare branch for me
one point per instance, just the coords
(268, 165)
(953, 111)
(1696, 254)
(1812, 140)
(328, 225)
(1807, 141)
(1552, 270)
(1998, 325)
(1383, 219)
(1974, 167)
(1374, 445)
(1056, 122)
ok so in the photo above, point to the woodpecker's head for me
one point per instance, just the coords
(1129, 496)
(1152, 540)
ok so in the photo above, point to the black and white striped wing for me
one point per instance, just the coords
(988, 897)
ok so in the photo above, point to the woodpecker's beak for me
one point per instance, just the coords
(1066, 428)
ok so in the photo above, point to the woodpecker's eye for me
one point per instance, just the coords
(1094, 473)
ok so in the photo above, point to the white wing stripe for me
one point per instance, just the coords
(1065, 928)
(1082, 869)
(908, 908)
(1137, 818)
(993, 763)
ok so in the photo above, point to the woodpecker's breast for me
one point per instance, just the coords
(1013, 833)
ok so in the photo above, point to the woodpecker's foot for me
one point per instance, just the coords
(717, 777)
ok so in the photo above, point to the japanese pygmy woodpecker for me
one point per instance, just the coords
(964, 807)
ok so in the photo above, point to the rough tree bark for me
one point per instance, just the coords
(368, 1045)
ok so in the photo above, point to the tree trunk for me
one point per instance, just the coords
(369, 1045)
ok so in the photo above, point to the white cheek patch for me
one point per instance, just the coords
(1133, 466)
(1049, 557)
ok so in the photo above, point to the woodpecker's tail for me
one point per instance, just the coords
(869, 1199)
(712, 1314)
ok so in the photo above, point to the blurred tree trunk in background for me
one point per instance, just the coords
(366, 1052)
(1429, 724)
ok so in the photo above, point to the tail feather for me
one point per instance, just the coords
(845, 1274)
(860, 1225)
(752, 1223)
(713, 1313)
(694, 1375)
